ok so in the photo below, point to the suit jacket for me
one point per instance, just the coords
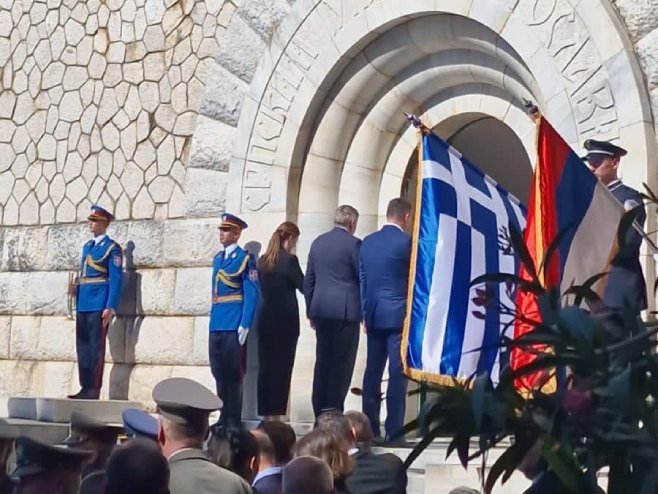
(625, 278)
(331, 284)
(191, 471)
(272, 484)
(384, 276)
(377, 474)
(278, 294)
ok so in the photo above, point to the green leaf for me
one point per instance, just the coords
(421, 446)
(554, 245)
(619, 387)
(507, 464)
(625, 224)
(566, 470)
(530, 286)
(480, 387)
(577, 322)
(522, 252)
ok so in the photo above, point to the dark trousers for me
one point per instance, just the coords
(227, 367)
(276, 359)
(383, 345)
(335, 354)
(90, 346)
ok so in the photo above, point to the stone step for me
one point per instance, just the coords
(58, 410)
(47, 432)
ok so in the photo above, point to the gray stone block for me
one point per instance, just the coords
(23, 249)
(56, 410)
(22, 408)
(65, 245)
(42, 431)
(205, 192)
(223, 96)
(191, 243)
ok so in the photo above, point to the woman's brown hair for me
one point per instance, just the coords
(285, 231)
(327, 446)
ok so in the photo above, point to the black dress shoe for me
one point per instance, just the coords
(77, 396)
(85, 395)
(399, 443)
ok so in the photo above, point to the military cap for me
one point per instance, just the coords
(85, 428)
(598, 149)
(34, 457)
(138, 423)
(184, 401)
(232, 222)
(100, 214)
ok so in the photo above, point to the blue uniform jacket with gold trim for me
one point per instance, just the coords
(100, 276)
(234, 291)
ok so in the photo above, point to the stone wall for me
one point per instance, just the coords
(137, 104)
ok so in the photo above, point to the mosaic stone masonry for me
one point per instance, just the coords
(98, 103)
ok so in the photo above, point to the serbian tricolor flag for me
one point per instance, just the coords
(565, 196)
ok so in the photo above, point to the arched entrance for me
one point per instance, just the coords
(489, 144)
(323, 120)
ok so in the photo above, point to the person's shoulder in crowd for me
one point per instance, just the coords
(377, 473)
(192, 471)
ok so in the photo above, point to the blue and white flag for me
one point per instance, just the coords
(461, 232)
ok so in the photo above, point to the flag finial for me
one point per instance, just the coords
(532, 109)
(415, 121)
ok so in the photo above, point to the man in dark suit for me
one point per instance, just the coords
(373, 473)
(384, 277)
(331, 290)
(269, 477)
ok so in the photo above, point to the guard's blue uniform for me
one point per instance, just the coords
(234, 291)
(234, 300)
(99, 287)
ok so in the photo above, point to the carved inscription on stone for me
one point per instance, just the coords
(566, 37)
(279, 94)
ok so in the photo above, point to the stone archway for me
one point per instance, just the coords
(322, 122)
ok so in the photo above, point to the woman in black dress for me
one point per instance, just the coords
(278, 320)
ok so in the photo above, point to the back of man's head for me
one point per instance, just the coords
(283, 438)
(265, 449)
(346, 216)
(361, 427)
(137, 467)
(398, 209)
(336, 422)
(235, 449)
(173, 436)
(307, 474)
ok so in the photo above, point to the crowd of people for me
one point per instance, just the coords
(178, 452)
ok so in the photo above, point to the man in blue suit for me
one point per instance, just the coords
(384, 277)
(97, 293)
(331, 290)
(234, 299)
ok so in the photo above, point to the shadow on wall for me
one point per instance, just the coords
(249, 401)
(124, 332)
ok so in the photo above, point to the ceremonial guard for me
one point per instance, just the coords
(234, 298)
(625, 283)
(97, 294)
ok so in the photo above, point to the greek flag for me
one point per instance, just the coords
(461, 232)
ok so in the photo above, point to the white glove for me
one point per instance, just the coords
(242, 335)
